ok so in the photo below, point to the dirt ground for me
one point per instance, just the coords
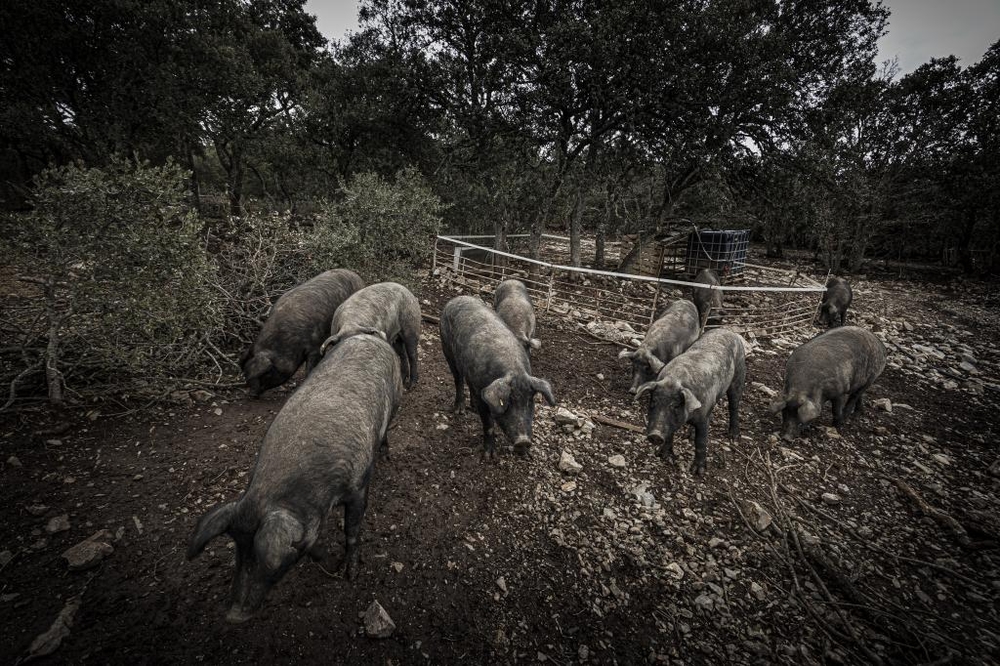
(811, 552)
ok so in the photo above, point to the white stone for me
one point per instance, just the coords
(90, 552)
(568, 464)
(378, 624)
(617, 460)
(830, 498)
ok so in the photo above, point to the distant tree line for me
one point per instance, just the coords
(598, 117)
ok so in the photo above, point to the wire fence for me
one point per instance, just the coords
(768, 301)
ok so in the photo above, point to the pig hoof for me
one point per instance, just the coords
(697, 469)
(734, 434)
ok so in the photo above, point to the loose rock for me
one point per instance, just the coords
(378, 624)
(90, 552)
(50, 641)
(57, 524)
(617, 460)
(568, 464)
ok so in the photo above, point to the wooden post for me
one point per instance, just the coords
(552, 279)
(434, 257)
(652, 313)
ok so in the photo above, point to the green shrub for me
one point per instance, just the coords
(125, 280)
(382, 230)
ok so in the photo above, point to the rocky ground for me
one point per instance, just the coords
(874, 544)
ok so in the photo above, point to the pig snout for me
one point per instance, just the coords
(655, 437)
(521, 444)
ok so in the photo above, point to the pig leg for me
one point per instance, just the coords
(838, 410)
(459, 385)
(312, 359)
(411, 354)
(700, 446)
(354, 513)
(733, 399)
(489, 441)
(397, 346)
(855, 405)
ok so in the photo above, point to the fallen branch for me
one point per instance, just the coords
(430, 319)
(844, 618)
(12, 396)
(617, 424)
(940, 516)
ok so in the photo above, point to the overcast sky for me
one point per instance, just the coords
(918, 29)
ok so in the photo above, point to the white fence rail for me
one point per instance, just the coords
(764, 307)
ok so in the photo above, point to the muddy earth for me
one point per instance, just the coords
(874, 544)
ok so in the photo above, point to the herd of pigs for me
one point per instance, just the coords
(359, 345)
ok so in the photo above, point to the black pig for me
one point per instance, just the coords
(666, 338)
(388, 308)
(483, 353)
(838, 365)
(688, 388)
(706, 299)
(836, 300)
(319, 452)
(513, 303)
(295, 329)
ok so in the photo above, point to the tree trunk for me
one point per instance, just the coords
(599, 239)
(236, 182)
(965, 242)
(231, 158)
(575, 224)
(541, 220)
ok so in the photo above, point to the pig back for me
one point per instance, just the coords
(302, 315)
(384, 306)
(480, 342)
(675, 330)
(510, 288)
(709, 366)
(839, 361)
(323, 441)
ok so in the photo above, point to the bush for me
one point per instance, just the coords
(125, 280)
(120, 293)
(380, 229)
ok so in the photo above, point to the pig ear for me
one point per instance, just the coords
(329, 342)
(777, 406)
(690, 402)
(808, 411)
(276, 539)
(245, 356)
(648, 386)
(655, 364)
(497, 394)
(211, 525)
(258, 365)
(543, 387)
(625, 353)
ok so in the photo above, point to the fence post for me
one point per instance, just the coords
(652, 312)
(552, 279)
(434, 257)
